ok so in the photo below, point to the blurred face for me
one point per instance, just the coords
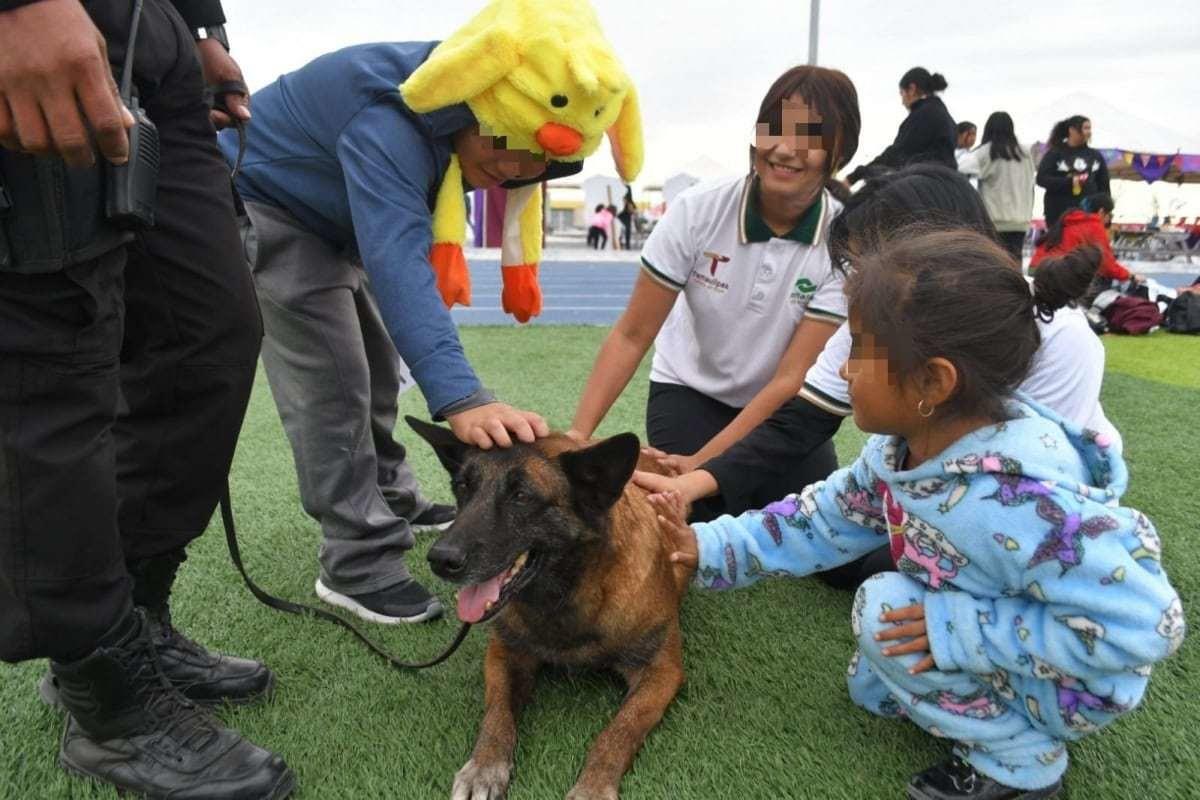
(881, 404)
(909, 95)
(791, 160)
(967, 138)
(1106, 217)
(486, 163)
(1081, 135)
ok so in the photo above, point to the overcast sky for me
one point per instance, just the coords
(702, 66)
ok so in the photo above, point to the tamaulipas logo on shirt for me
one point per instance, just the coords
(803, 291)
(710, 280)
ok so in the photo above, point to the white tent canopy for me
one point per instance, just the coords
(1111, 126)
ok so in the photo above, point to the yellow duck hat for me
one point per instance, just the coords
(541, 74)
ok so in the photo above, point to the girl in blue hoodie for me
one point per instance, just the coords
(1028, 605)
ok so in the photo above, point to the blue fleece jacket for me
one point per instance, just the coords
(1031, 564)
(334, 144)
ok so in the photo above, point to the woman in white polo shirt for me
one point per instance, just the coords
(737, 292)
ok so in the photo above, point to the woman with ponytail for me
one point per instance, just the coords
(1070, 170)
(928, 133)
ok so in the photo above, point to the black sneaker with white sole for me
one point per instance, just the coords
(405, 602)
(437, 517)
(955, 779)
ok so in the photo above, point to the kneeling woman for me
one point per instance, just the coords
(737, 291)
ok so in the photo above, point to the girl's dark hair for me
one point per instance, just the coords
(963, 127)
(998, 130)
(1060, 281)
(955, 294)
(925, 82)
(1093, 204)
(930, 193)
(831, 94)
(1058, 134)
(599, 208)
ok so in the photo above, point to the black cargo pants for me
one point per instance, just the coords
(124, 375)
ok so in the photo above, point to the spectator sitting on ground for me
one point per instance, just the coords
(1086, 225)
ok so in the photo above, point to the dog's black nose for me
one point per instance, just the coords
(446, 560)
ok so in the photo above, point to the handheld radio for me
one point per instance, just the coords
(132, 187)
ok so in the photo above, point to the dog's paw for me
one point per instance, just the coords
(582, 792)
(481, 782)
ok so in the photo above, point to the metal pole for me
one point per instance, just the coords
(814, 22)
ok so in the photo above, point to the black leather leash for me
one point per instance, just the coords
(217, 102)
(303, 610)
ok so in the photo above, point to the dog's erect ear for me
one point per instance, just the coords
(598, 474)
(450, 451)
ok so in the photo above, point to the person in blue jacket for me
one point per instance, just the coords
(339, 178)
(1028, 605)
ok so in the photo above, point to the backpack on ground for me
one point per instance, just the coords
(1183, 315)
(1133, 315)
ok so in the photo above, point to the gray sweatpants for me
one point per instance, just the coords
(335, 376)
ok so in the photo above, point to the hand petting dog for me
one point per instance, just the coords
(497, 424)
(672, 519)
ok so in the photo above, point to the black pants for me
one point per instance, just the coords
(1014, 242)
(123, 380)
(596, 237)
(680, 420)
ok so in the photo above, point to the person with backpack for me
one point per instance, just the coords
(1070, 170)
(928, 133)
(1004, 169)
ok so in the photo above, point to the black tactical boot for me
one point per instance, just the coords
(129, 727)
(955, 779)
(204, 677)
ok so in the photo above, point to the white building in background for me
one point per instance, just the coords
(571, 201)
(702, 168)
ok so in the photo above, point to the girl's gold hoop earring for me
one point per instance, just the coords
(925, 413)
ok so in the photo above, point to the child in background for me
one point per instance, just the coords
(1029, 605)
(598, 226)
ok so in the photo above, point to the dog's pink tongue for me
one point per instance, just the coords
(473, 600)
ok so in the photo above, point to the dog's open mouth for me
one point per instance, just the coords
(480, 602)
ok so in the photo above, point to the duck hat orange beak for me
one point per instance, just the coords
(559, 140)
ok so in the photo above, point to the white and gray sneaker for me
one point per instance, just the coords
(405, 602)
(437, 517)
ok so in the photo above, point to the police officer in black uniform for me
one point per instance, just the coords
(126, 361)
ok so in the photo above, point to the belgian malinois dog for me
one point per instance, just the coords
(565, 557)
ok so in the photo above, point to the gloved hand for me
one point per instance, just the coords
(522, 296)
(453, 277)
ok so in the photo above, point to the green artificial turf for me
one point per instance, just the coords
(765, 712)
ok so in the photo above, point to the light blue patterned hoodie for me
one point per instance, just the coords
(1033, 569)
